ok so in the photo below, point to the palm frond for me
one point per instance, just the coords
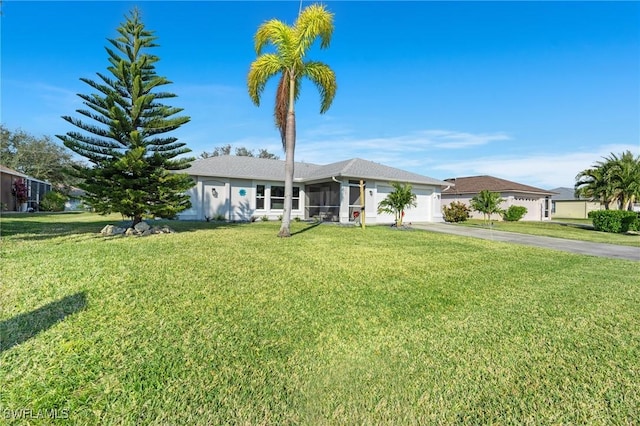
(325, 80)
(282, 106)
(274, 32)
(314, 22)
(262, 69)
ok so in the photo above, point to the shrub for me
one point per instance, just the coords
(514, 213)
(456, 212)
(618, 221)
(264, 218)
(53, 201)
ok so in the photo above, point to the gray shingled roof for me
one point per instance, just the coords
(265, 169)
(566, 194)
(240, 167)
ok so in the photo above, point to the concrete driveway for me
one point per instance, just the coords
(573, 246)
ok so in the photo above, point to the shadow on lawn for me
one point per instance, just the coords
(313, 225)
(30, 227)
(23, 327)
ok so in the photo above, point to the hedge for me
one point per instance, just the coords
(618, 221)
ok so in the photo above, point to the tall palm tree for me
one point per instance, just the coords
(291, 44)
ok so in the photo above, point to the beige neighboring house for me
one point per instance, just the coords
(566, 205)
(536, 200)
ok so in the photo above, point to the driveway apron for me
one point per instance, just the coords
(573, 246)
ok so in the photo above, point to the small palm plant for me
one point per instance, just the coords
(398, 201)
(487, 203)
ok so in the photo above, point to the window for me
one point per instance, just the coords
(260, 197)
(277, 198)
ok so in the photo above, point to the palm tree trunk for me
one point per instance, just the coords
(290, 146)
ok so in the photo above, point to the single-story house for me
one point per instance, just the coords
(35, 189)
(564, 204)
(536, 200)
(238, 188)
(74, 203)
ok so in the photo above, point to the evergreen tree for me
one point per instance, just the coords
(131, 164)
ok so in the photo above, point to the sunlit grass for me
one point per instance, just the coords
(571, 229)
(230, 324)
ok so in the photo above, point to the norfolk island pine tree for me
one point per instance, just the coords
(132, 166)
(291, 44)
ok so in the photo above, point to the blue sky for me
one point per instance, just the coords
(528, 91)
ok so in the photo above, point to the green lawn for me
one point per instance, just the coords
(336, 325)
(573, 229)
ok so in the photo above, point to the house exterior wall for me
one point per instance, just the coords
(36, 190)
(235, 200)
(535, 205)
(7, 200)
(574, 209)
(427, 205)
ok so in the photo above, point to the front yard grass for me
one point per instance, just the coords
(227, 324)
(571, 229)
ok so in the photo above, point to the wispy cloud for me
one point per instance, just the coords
(456, 140)
(542, 170)
(411, 150)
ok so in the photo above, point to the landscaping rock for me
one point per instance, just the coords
(142, 227)
(112, 230)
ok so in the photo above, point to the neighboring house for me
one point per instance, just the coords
(566, 205)
(536, 200)
(237, 188)
(74, 203)
(36, 190)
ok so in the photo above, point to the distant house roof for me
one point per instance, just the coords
(475, 184)
(566, 194)
(241, 167)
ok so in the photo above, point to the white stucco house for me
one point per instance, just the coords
(536, 200)
(237, 188)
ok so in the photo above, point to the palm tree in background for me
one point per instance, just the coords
(624, 174)
(615, 180)
(487, 203)
(291, 44)
(593, 184)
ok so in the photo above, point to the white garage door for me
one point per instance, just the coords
(420, 213)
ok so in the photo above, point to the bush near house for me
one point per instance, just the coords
(514, 213)
(456, 212)
(53, 201)
(614, 220)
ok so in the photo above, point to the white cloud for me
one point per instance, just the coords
(455, 140)
(542, 170)
(408, 151)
